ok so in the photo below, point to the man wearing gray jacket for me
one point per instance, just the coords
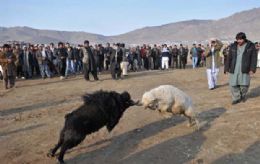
(89, 65)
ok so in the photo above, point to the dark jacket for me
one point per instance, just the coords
(70, 54)
(116, 56)
(108, 52)
(76, 54)
(19, 57)
(249, 58)
(30, 57)
(34, 58)
(166, 54)
(88, 58)
(200, 52)
(62, 53)
(175, 52)
(183, 53)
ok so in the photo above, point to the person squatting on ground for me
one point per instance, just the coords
(241, 64)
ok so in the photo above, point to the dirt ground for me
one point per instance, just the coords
(32, 115)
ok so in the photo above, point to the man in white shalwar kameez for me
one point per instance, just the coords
(258, 55)
(213, 62)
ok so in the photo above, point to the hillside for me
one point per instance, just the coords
(185, 31)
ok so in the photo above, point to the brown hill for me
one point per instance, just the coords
(185, 31)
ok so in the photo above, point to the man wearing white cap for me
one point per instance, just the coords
(213, 62)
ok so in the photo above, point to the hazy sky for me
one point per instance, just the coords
(111, 17)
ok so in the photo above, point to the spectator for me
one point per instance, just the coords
(165, 57)
(213, 62)
(241, 64)
(194, 55)
(7, 61)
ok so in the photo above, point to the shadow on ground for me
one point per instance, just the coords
(250, 155)
(21, 130)
(176, 150)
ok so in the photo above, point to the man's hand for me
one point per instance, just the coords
(251, 73)
(9, 60)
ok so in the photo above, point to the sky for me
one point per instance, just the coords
(113, 17)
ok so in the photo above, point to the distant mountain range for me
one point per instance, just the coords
(185, 31)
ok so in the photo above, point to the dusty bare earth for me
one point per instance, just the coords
(32, 115)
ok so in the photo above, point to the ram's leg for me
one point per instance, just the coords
(192, 116)
(52, 152)
(177, 110)
(163, 110)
